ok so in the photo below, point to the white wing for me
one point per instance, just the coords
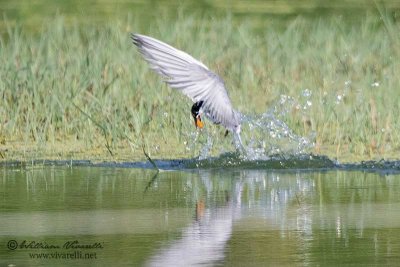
(192, 77)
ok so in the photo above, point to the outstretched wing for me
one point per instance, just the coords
(181, 71)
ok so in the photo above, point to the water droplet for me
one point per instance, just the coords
(283, 99)
(307, 105)
(339, 99)
(375, 84)
(306, 92)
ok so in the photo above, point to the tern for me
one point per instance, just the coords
(190, 76)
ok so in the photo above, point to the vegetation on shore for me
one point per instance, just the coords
(73, 91)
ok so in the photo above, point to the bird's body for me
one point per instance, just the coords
(183, 72)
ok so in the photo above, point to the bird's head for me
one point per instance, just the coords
(196, 114)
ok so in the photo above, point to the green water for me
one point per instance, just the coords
(210, 217)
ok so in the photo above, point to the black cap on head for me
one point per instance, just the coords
(196, 108)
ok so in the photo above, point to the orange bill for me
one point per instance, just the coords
(199, 123)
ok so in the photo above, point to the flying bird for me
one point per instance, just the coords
(188, 75)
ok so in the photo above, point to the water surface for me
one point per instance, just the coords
(216, 216)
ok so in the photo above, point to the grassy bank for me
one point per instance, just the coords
(83, 92)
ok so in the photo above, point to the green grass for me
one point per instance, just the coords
(80, 91)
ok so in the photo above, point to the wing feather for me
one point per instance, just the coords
(185, 73)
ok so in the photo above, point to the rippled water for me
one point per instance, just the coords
(225, 216)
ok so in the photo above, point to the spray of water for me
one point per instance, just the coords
(266, 135)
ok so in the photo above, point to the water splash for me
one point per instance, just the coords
(264, 135)
(206, 149)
